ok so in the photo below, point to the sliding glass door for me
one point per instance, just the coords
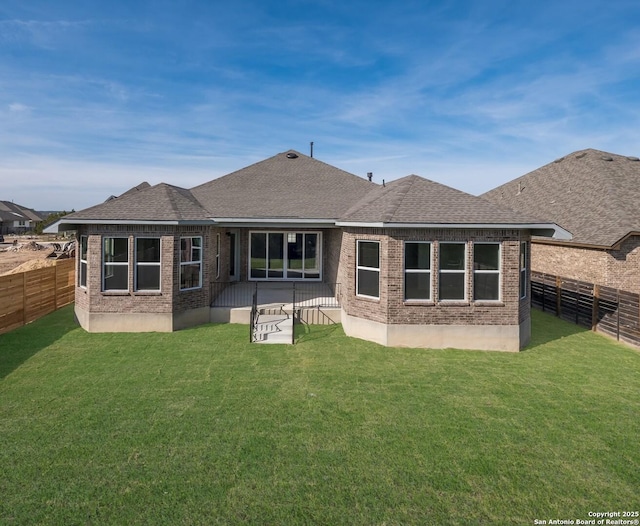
(285, 255)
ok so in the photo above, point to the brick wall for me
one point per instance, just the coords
(613, 268)
(170, 298)
(193, 299)
(391, 306)
(331, 255)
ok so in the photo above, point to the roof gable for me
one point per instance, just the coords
(591, 193)
(413, 199)
(161, 202)
(287, 185)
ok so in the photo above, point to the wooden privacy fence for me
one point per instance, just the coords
(604, 309)
(27, 296)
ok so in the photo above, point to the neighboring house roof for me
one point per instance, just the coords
(159, 203)
(289, 185)
(12, 212)
(591, 193)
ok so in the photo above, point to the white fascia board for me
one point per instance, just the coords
(275, 221)
(554, 230)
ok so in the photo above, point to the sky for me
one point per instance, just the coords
(96, 97)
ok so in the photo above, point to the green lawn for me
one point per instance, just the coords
(200, 427)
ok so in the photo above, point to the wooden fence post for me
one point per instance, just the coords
(24, 298)
(618, 314)
(595, 308)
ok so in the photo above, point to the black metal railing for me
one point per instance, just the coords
(231, 294)
(303, 294)
(311, 295)
(254, 317)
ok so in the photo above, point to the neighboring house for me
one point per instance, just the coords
(594, 195)
(419, 264)
(16, 219)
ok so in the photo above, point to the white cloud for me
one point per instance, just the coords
(17, 107)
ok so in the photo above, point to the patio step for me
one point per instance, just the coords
(272, 310)
(274, 328)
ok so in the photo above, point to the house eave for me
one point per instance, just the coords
(72, 224)
(538, 229)
(275, 222)
(582, 244)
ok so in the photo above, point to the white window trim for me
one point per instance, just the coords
(359, 267)
(191, 262)
(464, 271)
(115, 264)
(523, 284)
(217, 255)
(83, 261)
(498, 271)
(285, 258)
(418, 271)
(137, 263)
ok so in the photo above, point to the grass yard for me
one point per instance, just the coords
(201, 427)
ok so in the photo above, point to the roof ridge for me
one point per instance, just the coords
(401, 187)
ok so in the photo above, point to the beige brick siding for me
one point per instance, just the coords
(339, 265)
(170, 298)
(391, 307)
(614, 268)
(331, 255)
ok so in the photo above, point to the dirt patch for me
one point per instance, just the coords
(32, 253)
(32, 264)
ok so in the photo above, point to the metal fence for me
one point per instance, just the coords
(300, 294)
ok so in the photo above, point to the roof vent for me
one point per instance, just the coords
(633, 159)
(581, 155)
(606, 158)
(559, 160)
(292, 155)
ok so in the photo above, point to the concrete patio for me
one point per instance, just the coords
(315, 303)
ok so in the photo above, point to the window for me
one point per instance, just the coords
(190, 263)
(82, 278)
(217, 255)
(486, 271)
(417, 270)
(115, 263)
(147, 263)
(523, 270)
(452, 276)
(368, 269)
(285, 255)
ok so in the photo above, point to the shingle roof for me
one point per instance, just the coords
(414, 199)
(287, 185)
(133, 190)
(294, 186)
(162, 202)
(12, 212)
(591, 193)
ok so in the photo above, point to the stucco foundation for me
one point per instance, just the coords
(140, 322)
(480, 337)
(124, 322)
